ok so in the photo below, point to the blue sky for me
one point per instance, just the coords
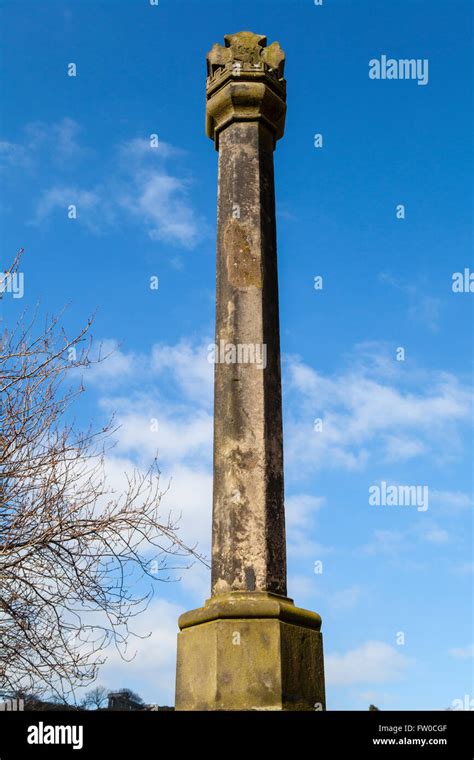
(145, 212)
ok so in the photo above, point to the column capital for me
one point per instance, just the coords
(245, 83)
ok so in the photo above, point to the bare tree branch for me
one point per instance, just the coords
(72, 553)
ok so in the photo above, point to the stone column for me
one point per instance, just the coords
(249, 647)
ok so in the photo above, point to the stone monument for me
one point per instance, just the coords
(249, 647)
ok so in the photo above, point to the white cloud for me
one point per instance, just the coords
(373, 662)
(149, 427)
(399, 448)
(307, 590)
(303, 589)
(463, 653)
(189, 367)
(60, 197)
(388, 542)
(421, 307)
(136, 183)
(168, 405)
(395, 543)
(190, 494)
(183, 367)
(54, 143)
(346, 598)
(161, 202)
(65, 135)
(152, 671)
(370, 412)
(137, 150)
(300, 511)
(452, 501)
(177, 430)
(111, 367)
(197, 583)
(436, 535)
(155, 196)
(463, 568)
(13, 155)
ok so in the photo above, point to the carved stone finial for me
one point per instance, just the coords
(245, 83)
(246, 48)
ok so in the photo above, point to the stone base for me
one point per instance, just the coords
(250, 651)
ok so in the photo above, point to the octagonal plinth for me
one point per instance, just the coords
(250, 651)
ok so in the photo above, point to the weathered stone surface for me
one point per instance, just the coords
(248, 517)
(277, 663)
(245, 83)
(243, 604)
(250, 654)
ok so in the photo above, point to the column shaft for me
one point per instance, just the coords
(248, 510)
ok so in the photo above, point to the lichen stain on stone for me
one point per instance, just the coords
(264, 640)
(250, 579)
(240, 465)
(229, 326)
(243, 261)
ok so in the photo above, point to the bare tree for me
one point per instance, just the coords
(95, 697)
(73, 554)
